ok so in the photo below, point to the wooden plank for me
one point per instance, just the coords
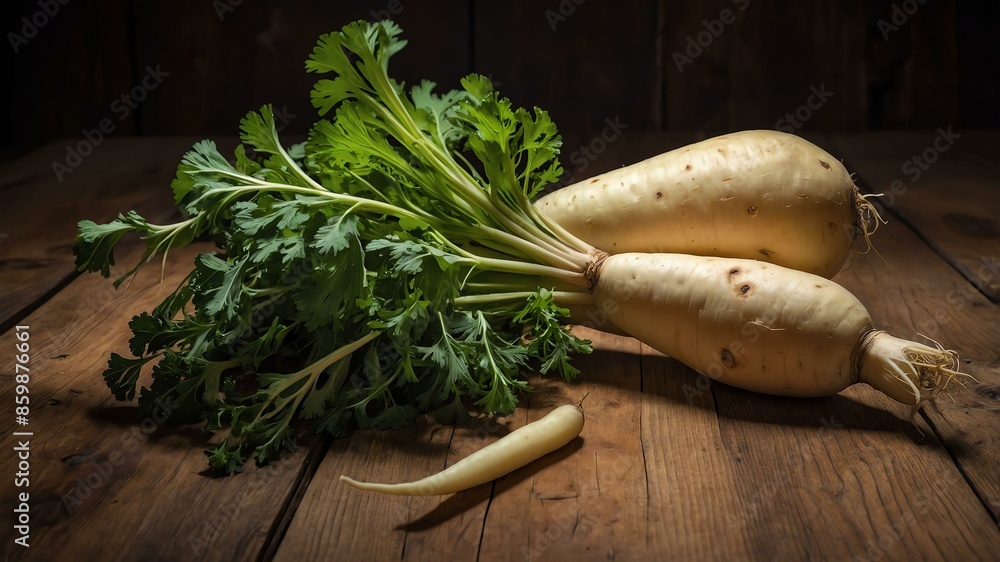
(738, 475)
(39, 218)
(735, 64)
(977, 67)
(63, 77)
(451, 528)
(845, 464)
(946, 191)
(912, 64)
(102, 484)
(335, 521)
(526, 504)
(240, 56)
(694, 506)
(914, 293)
(586, 501)
(592, 66)
(983, 144)
(840, 473)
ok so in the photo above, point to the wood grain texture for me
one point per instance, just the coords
(909, 295)
(694, 510)
(912, 64)
(65, 75)
(737, 64)
(586, 501)
(242, 56)
(943, 185)
(40, 215)
(808, 494)
(978, 76)
(914, 292)
(336, 520)
(837, 473)
(589, 64)
(553, 508)
(886, 68)
(104, 484)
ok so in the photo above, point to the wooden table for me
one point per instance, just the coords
(668, 467)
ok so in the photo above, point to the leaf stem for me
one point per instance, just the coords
(561, 297)
(315, 369)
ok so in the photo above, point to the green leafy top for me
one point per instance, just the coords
(392, 265)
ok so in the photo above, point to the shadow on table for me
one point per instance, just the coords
(128, 420)
(461, 502)
(858, 408)
(548, 393)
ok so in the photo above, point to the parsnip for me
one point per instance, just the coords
(761, 195)
(765, 328)
(518, 448)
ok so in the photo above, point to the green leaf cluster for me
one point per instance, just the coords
(354, 281)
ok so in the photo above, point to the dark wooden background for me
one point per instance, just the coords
(587, 61)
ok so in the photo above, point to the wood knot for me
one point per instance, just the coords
(989, 392)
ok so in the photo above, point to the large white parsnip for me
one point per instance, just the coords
(761, 195)
(763, 327)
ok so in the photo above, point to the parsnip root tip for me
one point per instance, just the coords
(910, 372)
(369, 486)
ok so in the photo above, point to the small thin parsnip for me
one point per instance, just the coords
(520, 447)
